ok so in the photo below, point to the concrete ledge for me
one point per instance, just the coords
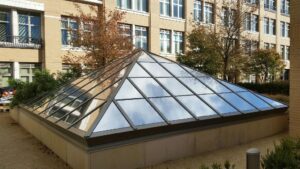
(151, 151)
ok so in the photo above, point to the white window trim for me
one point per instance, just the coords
(23, 4)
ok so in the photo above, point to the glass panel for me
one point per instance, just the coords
(195, 85)
(145, 58)
(196, 106)
(127, 91)
(160, 59)
(194, 72)
(140, 112)
(239, 103)
(271, 102)
(213, 84)
(150, 87)
(171, 109)
(233, 87)
(254, 100)
(112, 119)
(156, 70)
(218, 104)
(174, 86)
(137, 71)
(176, 70)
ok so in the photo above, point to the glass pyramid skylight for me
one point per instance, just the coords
(145, 92)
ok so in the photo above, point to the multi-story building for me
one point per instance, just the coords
(34, 33)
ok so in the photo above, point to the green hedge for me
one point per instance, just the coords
(269, 88)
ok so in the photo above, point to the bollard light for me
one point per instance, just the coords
(253, 158)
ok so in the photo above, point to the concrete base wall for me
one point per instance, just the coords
(150, 152)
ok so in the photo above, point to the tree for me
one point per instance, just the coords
(224, 38)
(201, 57)
(266, 64)
(99, 37)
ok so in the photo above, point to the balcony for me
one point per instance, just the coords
(20, 42)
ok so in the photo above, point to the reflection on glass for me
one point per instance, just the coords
(160, 59)
(195, 85)
(127, 91)
(171, 109)
(239, 103)
(233, 87)
(156, 70)
(251, 98)
(194, 72)
(213, 84)
(112, 119)
(271, 102)
(196, 106)
(140, 112)
(145, 58)
(175, 87)
(176, 70)
(218, 104)
(150, 87)
(137, 71)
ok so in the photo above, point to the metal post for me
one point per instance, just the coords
(253, 158)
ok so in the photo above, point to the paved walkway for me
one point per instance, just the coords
(20, 150)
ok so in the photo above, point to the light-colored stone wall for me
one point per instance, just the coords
(295, 70)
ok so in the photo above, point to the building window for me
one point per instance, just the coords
(69, 28)
(29, 28)
(124, 4)
(5, 26)
(198, 10)
(165, 7)
(270, 26)
(208, 13)
(266, 45)
(178, 42)
(285, 7)
(165, 41)
(251, 22)
(285, 52)
(6, 73)
(141, 37)
(227, 16)
(250, 46)
(137, 5)
(126, 30)
(251, 1)
(178, 8)
(270, 4)
(285, 28)
(27, 72)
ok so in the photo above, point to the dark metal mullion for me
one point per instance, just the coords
(156, 97)
(96, 85)
(77, 84)
(112, 96)
(81, 118)
(86, 101)
(148, 100)
(192, 114)
(130, 122)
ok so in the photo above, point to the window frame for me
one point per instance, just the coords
(165, 41)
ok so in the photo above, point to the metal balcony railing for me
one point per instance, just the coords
(20, 42)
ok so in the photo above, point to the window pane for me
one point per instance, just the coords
(140, 112)
(112, 119)
(137, 71)
(233, 87)
(239, 103)
(174, 86)
(171, 109)
(145, 58)
(272, 102)
(213, 84)
(176, 70)
(219, 104)
(150, 87)
(254, 100)
(156, 70)
(127, 91)
(195, 85)
(196, 106)
(194, 72)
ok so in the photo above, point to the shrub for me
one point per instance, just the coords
(286, 155)
(281, 87)
(226, 165)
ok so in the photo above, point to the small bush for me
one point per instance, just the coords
(286, 155)
(226, 165)
(269, 88)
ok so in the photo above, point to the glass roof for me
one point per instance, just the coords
(143, 91)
